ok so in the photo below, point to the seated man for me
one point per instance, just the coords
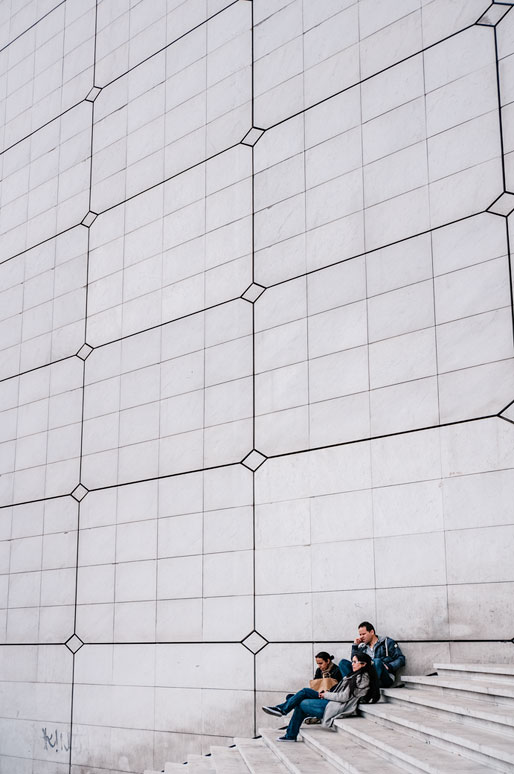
(385, 652)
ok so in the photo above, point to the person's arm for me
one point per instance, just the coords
(360, 689)
(317, 674)
(341, 695)
(395, 659)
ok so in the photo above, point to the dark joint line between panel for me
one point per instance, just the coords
(368, 78)
(180, 37)
(32, 26)
(385, 435)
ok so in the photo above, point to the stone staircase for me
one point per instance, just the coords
(460, 720)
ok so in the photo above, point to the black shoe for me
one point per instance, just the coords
(273, 711)
(285, 739)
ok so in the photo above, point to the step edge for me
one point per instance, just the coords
(222, 753)
(478, 686)
(255, 743)
(483, 712)
(282, 755)
(411, 759)
(506, 669)
(336, 760)
(331, 757)
(419, 726)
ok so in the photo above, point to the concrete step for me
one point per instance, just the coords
(196, 758)
(227, 760)
(258, 757)
(486, 672)
(406, 751)
(473, 711)
(346, 753)
(493, 691)
(297, 758)
(460, 721)
(485, 746)
(198, 764)
(194, 765)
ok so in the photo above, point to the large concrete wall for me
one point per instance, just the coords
(255, 385)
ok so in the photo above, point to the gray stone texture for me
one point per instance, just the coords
(257, 367)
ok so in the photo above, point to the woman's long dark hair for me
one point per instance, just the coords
(373, 694)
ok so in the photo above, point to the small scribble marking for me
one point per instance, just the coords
(56, 741)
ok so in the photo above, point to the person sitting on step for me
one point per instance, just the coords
(385, 652)
(325, 669)
(342, 701)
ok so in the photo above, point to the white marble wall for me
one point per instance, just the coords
(257, 366)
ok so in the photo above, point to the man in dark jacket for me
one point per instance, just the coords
(385, 652)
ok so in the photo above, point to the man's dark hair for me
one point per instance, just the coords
(367, 625)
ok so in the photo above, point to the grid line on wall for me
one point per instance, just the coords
(305, 274)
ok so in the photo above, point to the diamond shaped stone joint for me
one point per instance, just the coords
(254, 460)
(84, 351)
(503, 205)
(74, 643)
(88, 219)
(79, 492)
(93, 94)
(251, 137)
(508, 412)
(254, 642)
(493, 15)
(253, 292)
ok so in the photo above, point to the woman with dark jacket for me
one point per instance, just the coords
(325, 668)
(361, 685)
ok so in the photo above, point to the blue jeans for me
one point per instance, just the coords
(385, 677)
(308, 708)
(294, 699)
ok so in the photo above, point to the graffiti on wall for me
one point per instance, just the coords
(60, 741)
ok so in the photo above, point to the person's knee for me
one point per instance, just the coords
(313, 707)
(385, 677)
(306, 706)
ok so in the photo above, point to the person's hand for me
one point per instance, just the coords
(321, 694)
(357, 641)
(386, 667)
